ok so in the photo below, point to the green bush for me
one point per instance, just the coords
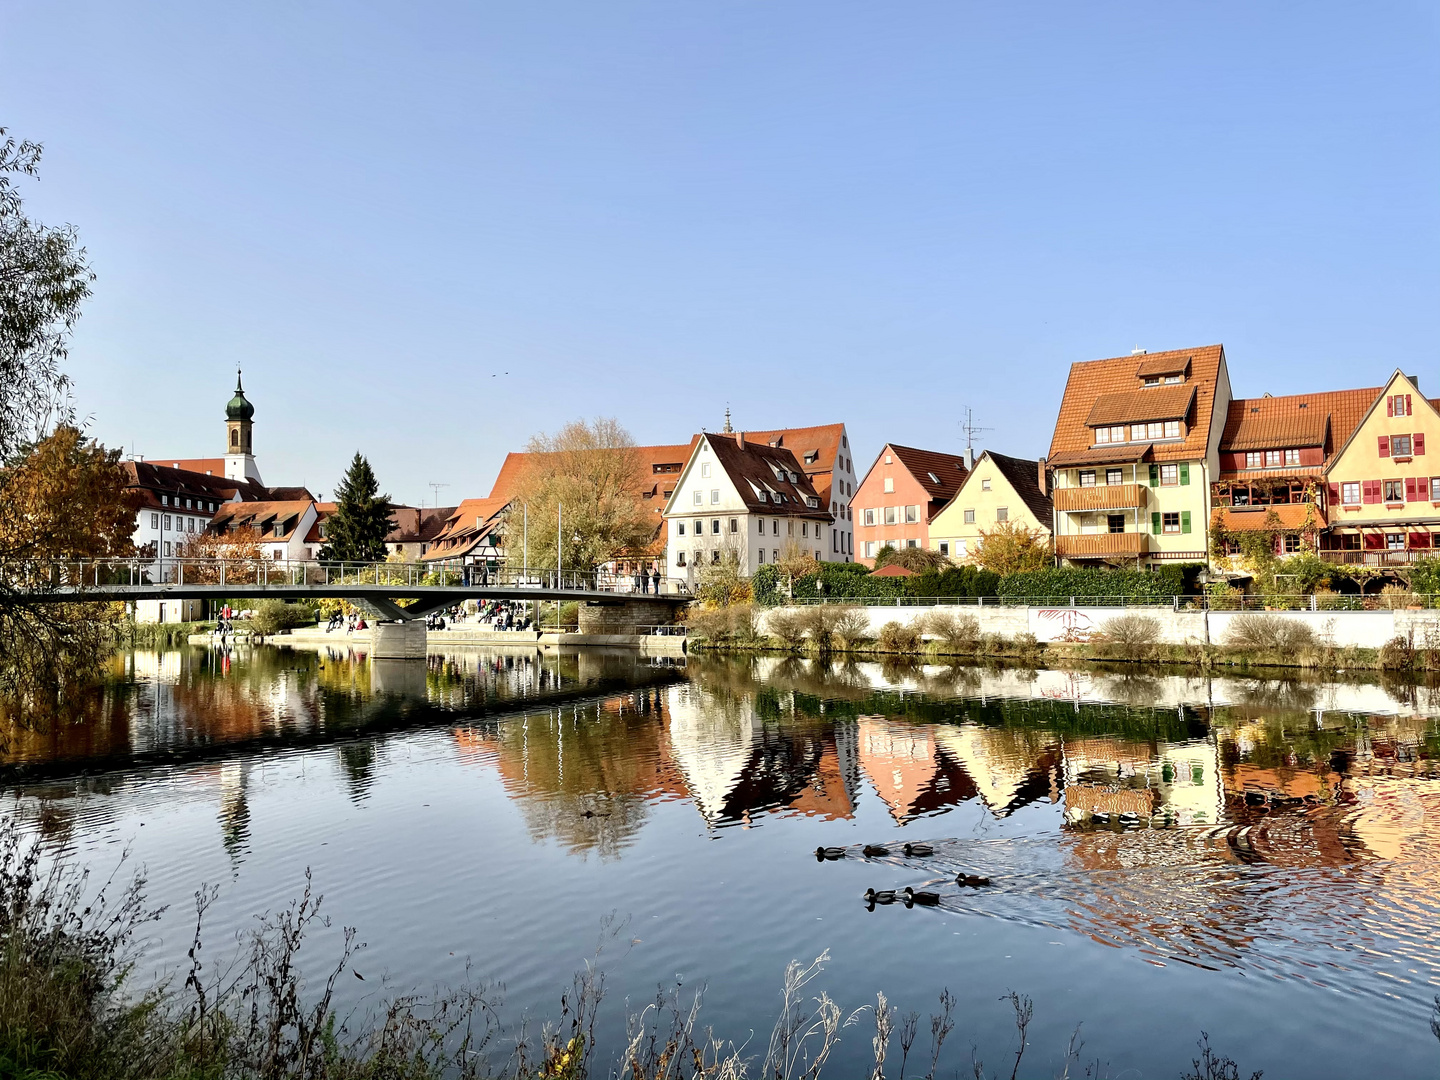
(272, 616)
(958, 581)
(1425, 576)
(833, 581)
(1143, 586)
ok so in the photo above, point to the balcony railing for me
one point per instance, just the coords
(1375, 557)
(1102, 545)
(1072, 500)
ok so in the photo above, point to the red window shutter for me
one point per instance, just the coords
(1390, 405)
(1384, 445)
(1334, 494)
(1371, 490)
(1407, 406)
(1418, 440)
(1410, 495)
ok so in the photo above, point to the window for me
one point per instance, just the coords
(1172, 429)
(704, 468)
(1115, 523)
(1169, 475)
(774, 555)
(1350, 494)
(169, 548)
(189, 504)
(189, 524)
(1292, 457)
(1394, 541)
(889, 515)
(762, 555)
(679, 558)
(1102, 434)
(167, 523)
(960, 546)
(805, 529)
(164, 500)
(869, 549)
(969, 517)
(714, 496)
(869, 517)
(700, 498)
(1400, 446)
(1087, 478)
(1170, 522)
(1434, 488)
(715, 556)
(944, 547)
(1114, 476)
(1254, 459)
(715, 526)
(234, 437)
(154, 521)
(1117, 434)
(1394, 491)
(1398, 405)
(912, 514)
(985, 484)
(680, 529)
(889, 485)
(1171, 380)
(1273, 458)
(774, 526)
(1002, 513)
(734, 525)
(1153, 380)
(789, 528)
(760, 522)
(1292, 545)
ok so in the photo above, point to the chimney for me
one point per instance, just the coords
(740, 439)
(969, 458)
(1042, 477)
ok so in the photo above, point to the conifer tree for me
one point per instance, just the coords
(356, 531)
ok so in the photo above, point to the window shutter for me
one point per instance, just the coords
(1334, 494)
(1184, 472)
(1369, 493)
(1408, 412)
(1384, 445)
(1184, 521)
(1155, 478)
(1418, 441)
(1410, 495)
(1390, 405)
(1155, 521)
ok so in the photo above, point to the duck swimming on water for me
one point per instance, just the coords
(919, 849)
(874, 850)
(823, 853)
(926, 899)
(886, 896)
(974, 881)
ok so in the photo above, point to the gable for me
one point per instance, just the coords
(1399, 410)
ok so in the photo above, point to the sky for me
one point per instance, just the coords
(428, 231)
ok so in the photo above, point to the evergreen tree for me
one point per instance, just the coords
(356, 531)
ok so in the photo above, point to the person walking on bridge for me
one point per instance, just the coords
(655, 577)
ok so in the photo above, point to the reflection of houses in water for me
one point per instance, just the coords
(910, 772)
(1005, 768)
(1177, 782)
(235, 806)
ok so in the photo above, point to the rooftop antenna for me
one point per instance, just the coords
(727, 429)
(435, 490)
(971, 430)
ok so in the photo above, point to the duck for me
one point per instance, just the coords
(919, 849)
(925, 899)
(1100, 819)
(874, 849)
(885, 896)
(823, 853)
(974, 881)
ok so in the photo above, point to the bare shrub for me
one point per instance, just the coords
(1134, 636)
(820, 622)
(712, 624)
(899, 638)
(1268, 632)
(1397, 598)
(956, 633)
(851, 626)
(1397, 654)
(787, 625)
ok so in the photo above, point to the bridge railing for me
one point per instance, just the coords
(48, 574)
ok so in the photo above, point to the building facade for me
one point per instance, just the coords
(901, 494)
(1135, 450)
(997, 489)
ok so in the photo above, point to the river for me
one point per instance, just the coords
(1168, 853)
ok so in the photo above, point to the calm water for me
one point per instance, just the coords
(1168, 853)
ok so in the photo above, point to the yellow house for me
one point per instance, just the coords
(1383, 484)
(998, 489)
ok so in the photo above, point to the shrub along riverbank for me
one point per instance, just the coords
(69, 1009)
(943, 634)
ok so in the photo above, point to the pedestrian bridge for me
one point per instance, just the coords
(378, 586)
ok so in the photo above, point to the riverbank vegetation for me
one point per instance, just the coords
(70, 1008)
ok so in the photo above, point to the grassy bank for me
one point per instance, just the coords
(135, 635)
(70, 1010)
(1254, 641)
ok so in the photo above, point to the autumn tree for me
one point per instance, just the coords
(356, 531)
(583, 482)
(1011, 548)
(235, 553)
(915, 559)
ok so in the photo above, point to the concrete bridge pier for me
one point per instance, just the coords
(404, 640)
(624, 616)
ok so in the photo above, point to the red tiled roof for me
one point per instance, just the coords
(1171, 363)
(1138, 406)
(1092, 380)
(149, 479)
(416, 524)
(824, 441)
(262, 517)
(1296, 420)
(467, 525)
(1023, 474)
(656, 470)
(212, 465)
(892, 570)
(939, 473)
(1254, 519)
(754, 467)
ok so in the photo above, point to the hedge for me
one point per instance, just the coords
(840, 581)
(1156, 586)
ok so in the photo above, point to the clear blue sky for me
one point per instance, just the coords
(876, 213)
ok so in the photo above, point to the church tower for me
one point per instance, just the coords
(239, 453)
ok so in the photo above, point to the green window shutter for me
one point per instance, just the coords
(1184, 519)
(1155, 477)
(1155, 520)
(1184, 472)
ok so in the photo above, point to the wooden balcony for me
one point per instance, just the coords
(1087, 500)
(1126, 545)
